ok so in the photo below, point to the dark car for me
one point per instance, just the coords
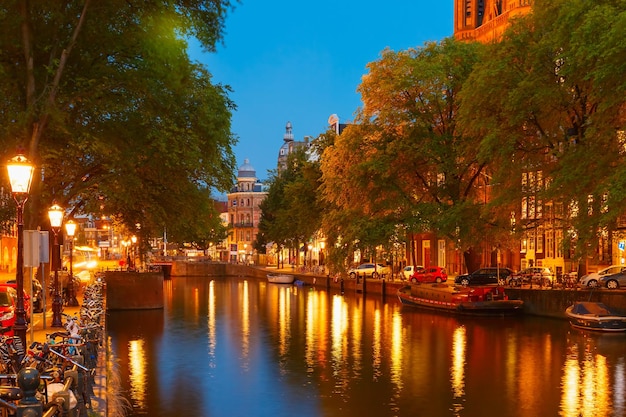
(484, 276)
(613, 281)
(429, 274)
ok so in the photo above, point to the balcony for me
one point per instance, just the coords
(243, 224)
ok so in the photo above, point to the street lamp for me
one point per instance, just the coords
(133, 239)
(20, 175)
(70, 229)
(55, 213)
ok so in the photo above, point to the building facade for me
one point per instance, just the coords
(541, 222)
(244, 214)
(485, 20)
(289, 146)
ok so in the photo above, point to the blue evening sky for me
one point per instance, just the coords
(301, 61)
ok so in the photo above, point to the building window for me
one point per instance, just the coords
(550, 244)
(558, 237)
(540, 241)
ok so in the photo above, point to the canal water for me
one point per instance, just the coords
(238, 347)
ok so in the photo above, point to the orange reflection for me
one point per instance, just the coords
(586, 384)
(284, 320)
(397, 343)
(137, 371)
(376, 345)
(245, 320)
(457, 373)
(211, 327)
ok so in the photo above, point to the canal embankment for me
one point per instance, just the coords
(545, 302)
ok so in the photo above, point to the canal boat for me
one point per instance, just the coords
(281, 278)
(589, 315)
(480, 300)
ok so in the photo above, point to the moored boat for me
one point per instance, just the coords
(482, 300)
(589, 315)
(281, 278)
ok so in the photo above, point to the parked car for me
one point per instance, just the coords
(8, 309)
(409, 270)
(591, 280)
(430, 274)
(36, 300)
(535, 275)
(613, 281)
(369, 270)
(484, 276)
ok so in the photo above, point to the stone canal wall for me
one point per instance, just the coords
(132, 290)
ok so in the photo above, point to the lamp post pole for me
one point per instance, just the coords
(20, 175)
(55, 213)
(70, 229)
(133, 240)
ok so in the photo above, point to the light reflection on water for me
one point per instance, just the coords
(243, 347)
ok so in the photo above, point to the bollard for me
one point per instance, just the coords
(29, 405)
(80, 390)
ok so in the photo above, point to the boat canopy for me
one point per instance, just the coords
(588, 307)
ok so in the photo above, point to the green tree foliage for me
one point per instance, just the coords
(291, 212)
(109, 106)
(547, 100)
(405, 160)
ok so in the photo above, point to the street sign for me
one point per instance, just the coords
(31, 248)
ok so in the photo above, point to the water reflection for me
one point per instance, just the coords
(457, 372)
(243, 347)
(137, 371)
(592, 384)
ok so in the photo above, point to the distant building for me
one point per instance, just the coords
(486, 20)
(334, 125)
(290, 145)
(244, 213)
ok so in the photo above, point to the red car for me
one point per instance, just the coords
(8, 306)
(430, 274)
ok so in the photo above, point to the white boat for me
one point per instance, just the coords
(595, 316)
(281, 278)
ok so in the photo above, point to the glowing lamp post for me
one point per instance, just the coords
(55, 213)
(20, 175)
(70, 229)
(133, 240)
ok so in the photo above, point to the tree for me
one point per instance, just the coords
(112, 111)
(550, 109)
(405, 160)
(291, 212)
